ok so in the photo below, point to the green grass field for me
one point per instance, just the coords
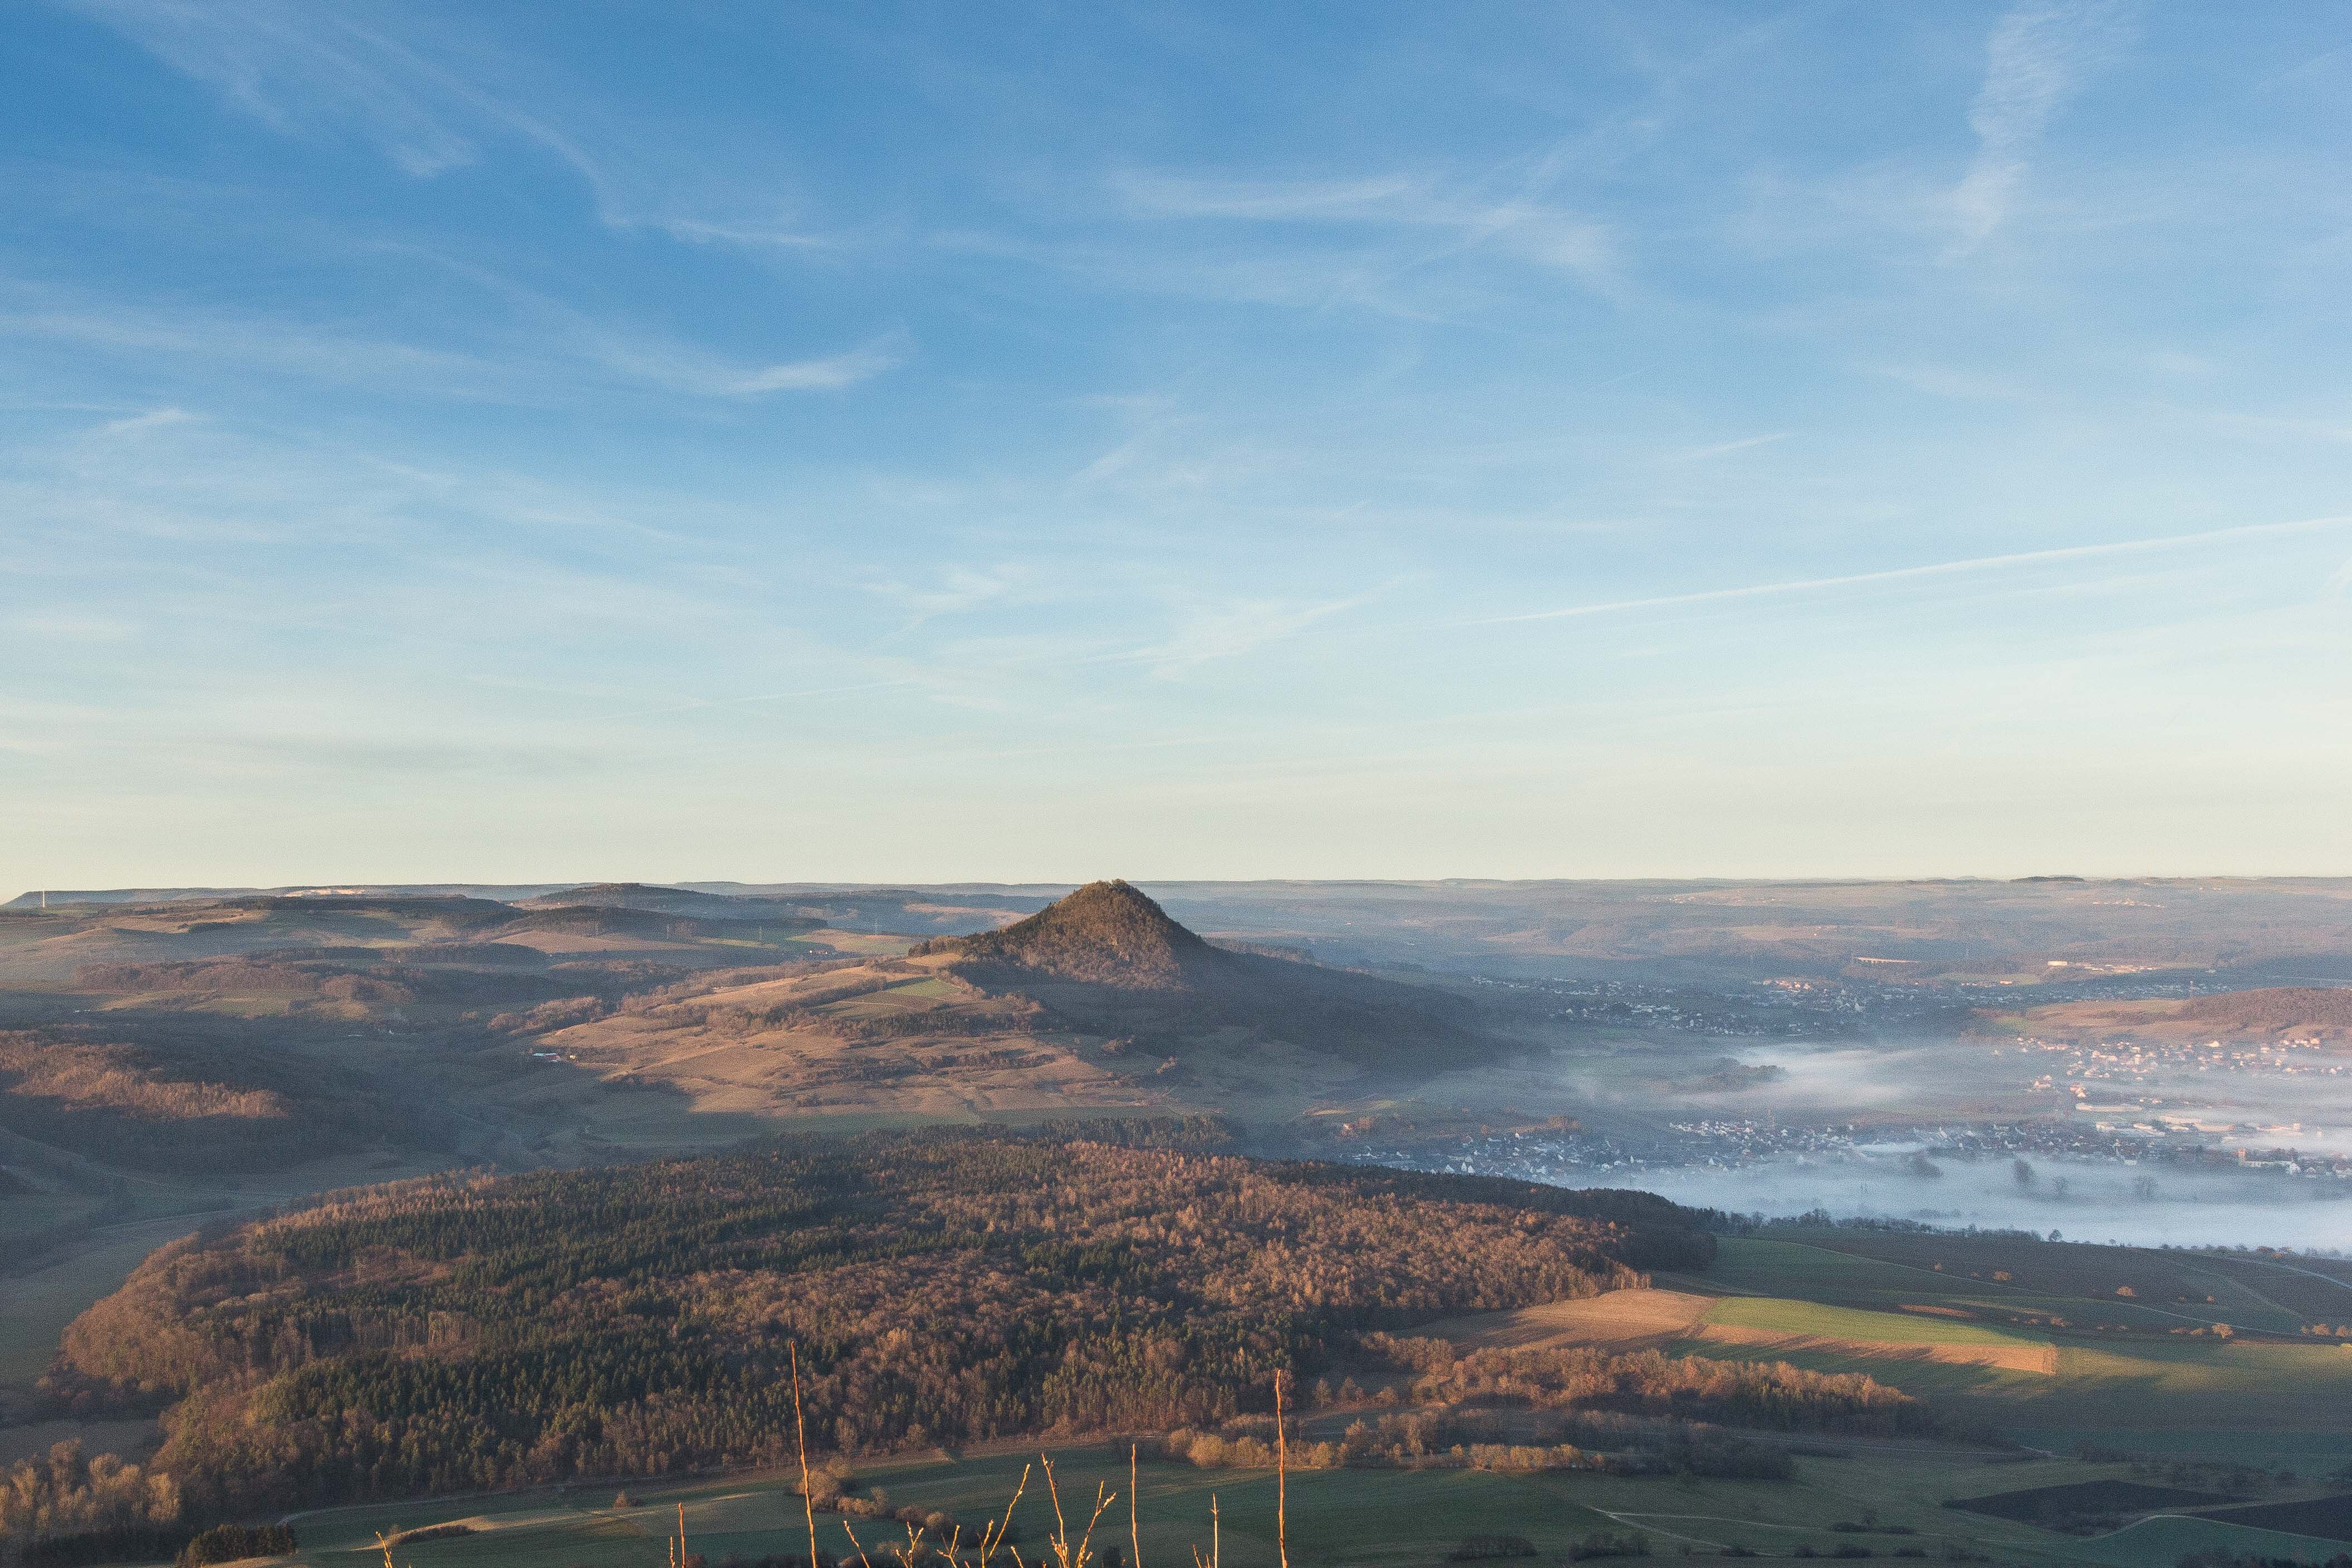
(2045, 1282)
(1779, 1315)
(1751, 1266)
(907, 996)
(2248, 1293)
(2260, 1401)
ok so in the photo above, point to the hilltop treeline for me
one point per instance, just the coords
(69, 1493)
(1772, 1395)
(2272, 1011)
(452, 1334)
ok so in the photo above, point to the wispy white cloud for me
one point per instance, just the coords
(1221, 631)
(677, 366)
(958, 589)
(1374, 199)
(242, 339)
(1725, 448)
(536, 357)
(155, 420)
(297, 67)
(434, 97)
(826, 374)
(1961, 385)
(1979, 564)
(1519, 224)
(2039, 57)
(67, 626)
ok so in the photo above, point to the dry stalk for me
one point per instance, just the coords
(1281, 1480)
(1215, 1549)
(1103, 1500)
(1064, 1555)
(1134, 1540)
(993, 1537)
(1061, 1526)
(800, 1431)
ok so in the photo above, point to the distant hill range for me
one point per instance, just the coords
(688, 902)
(1108, 960)
(2284, 1009)
(2054, 931)
(906, 911)
(2310, 1014)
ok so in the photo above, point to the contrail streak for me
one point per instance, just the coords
(1938, 569)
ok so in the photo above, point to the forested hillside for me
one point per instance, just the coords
(451, 1334)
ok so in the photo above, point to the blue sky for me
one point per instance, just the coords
(934, 442)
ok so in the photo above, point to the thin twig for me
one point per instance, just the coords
(1102, 1501)
(1281, 1480)
(799, 1428)
(990, 1542)
(1061, 1526)
(1134, 1541)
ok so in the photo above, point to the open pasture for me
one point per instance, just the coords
(2009, 1281)
(1763, 1320)
(895, 999)
(1617, 1319)
(2214, 1398)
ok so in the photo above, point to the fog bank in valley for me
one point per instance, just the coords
(2083, 1200)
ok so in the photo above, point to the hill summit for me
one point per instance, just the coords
(1107, 960)
(1105, 934)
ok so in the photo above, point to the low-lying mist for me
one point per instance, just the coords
(2144, 1153)
(2083, 1200)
